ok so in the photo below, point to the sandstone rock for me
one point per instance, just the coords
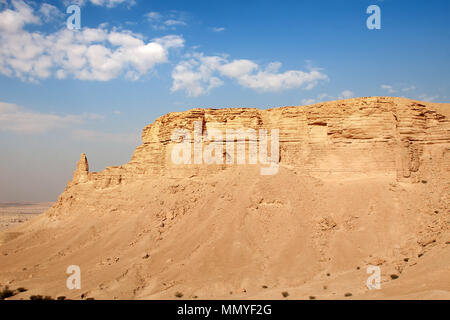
(82, 170)
(377, 135)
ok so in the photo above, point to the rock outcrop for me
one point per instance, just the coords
(81, 173)
(366, 135)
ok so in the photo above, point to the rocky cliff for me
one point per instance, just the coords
(368, 135)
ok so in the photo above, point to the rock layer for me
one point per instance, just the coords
(365, 135)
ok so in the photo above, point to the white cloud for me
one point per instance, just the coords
(269, 81)
(50, 12)
(218, 29)
(14, 19)
(409, 88)
(20, 120)
(173, 22)
(425, 97)
(88, 54)
(308, 101)
(195, 76)
(165, 21)
(153, 16)
(238, 68)
(103, 3)
(200, 73)
(97, 136)
(398, 88)
(112, 3)
(388, 88)
(346, 94)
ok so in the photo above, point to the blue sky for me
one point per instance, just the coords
(63, 92)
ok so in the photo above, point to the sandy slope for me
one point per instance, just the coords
(234, 233)
(230, 234)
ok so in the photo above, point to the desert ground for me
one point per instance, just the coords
(361, 182)
(12, 214)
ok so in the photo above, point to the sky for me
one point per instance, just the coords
(66, 91)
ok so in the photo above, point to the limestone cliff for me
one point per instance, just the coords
(367, 135)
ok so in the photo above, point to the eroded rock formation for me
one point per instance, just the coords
(366, 135)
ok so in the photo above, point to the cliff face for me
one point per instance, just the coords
(385, 135)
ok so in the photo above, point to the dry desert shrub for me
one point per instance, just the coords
(40, 298)
(6, 293)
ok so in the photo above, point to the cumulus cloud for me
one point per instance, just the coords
(199, 74)
(237, 68)
(195, 76)
(20, 120)
(88, 54)
(15, 18)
